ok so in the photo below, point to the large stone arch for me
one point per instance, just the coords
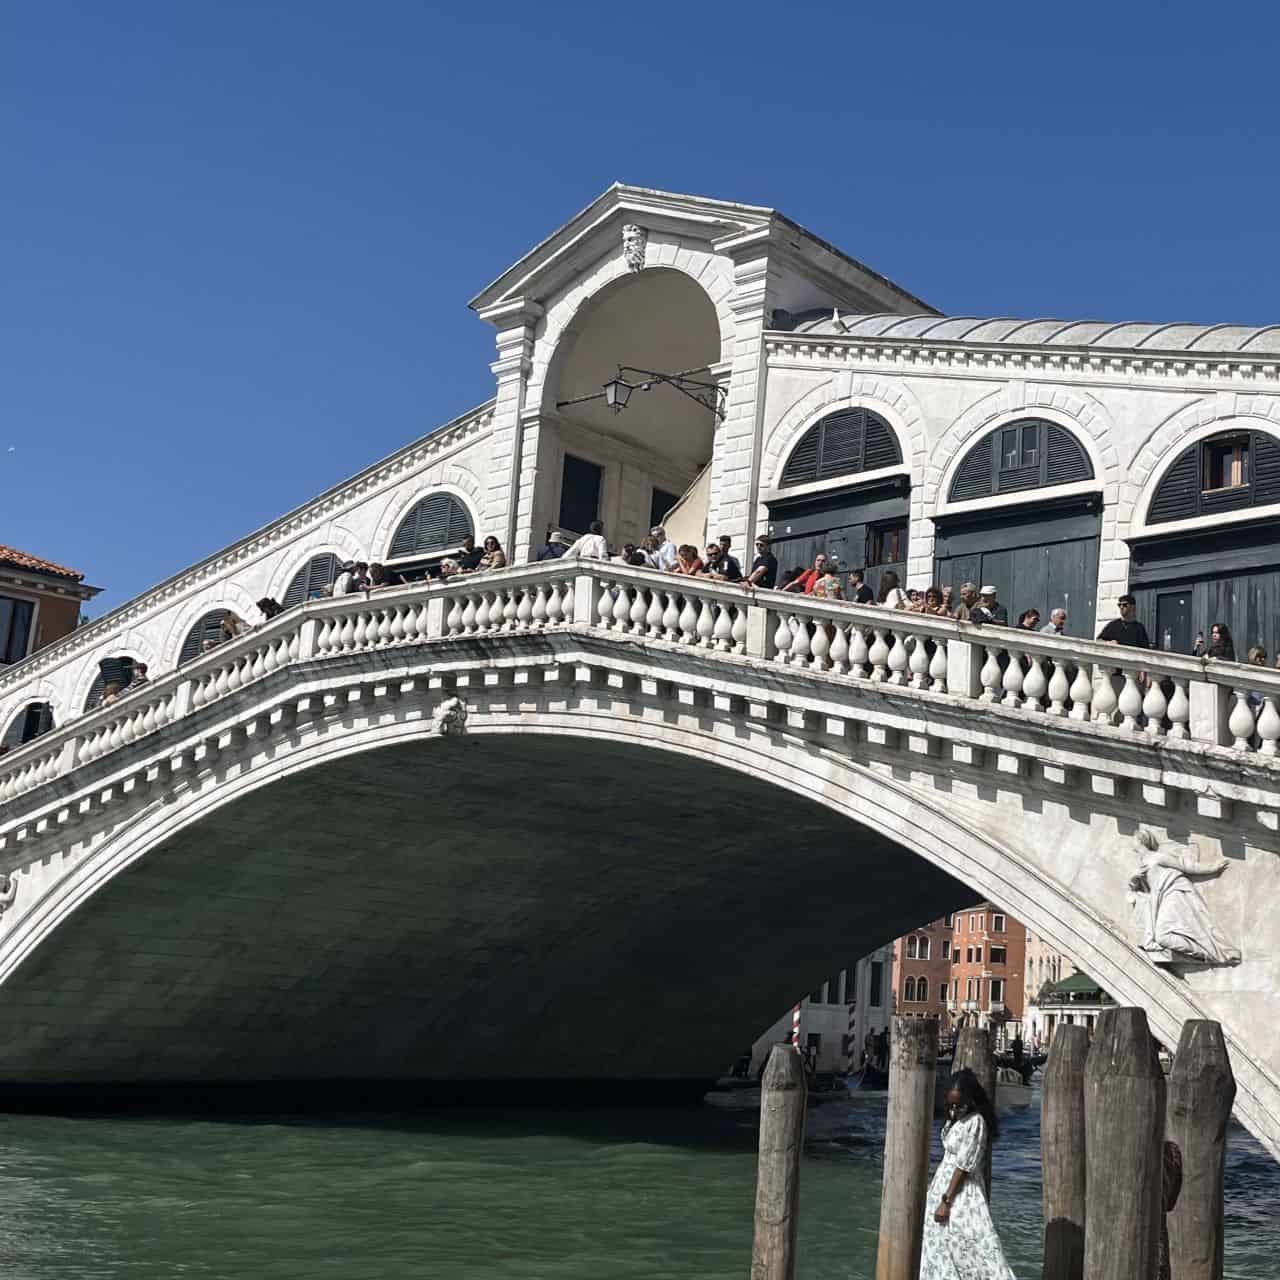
(846, 390)
(1075, 409)
(786, 775)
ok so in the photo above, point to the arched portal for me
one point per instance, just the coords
(629, 468)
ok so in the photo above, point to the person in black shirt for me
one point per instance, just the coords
(764, 568)
(859, 592)
(470, 556)
(1126, 629)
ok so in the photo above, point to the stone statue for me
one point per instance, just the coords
(634, 241)
(8, 891)
(1171, 918)
(450, 716)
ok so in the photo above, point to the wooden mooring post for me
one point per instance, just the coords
(1062, 1154)
(913, 1068)
(1202, 1088)
(1124, 1112)
(974, 1051)
(782, 1102)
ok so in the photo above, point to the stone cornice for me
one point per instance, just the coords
(324, 507)
(1004, 360)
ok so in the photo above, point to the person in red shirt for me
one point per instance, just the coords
(805, 582)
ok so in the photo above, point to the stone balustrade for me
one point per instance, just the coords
(1209, 704)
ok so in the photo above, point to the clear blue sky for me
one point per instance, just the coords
(238, 239)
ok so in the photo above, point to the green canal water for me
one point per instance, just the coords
(487, 1194)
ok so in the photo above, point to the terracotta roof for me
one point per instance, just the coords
(21, 560)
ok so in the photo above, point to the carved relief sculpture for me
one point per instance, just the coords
(1172, 921)
(8, 891)
(634, 242)
(450, 716)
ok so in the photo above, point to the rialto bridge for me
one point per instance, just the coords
(575, 819)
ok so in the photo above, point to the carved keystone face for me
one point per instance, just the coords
(634, 241)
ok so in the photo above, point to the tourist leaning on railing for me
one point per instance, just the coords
(764, 568)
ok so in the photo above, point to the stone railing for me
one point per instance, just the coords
(1176, 699)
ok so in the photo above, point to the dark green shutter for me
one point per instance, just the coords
(843, 443)
(1178, 495)
(208, 628)
(319, 572)
(434, 524)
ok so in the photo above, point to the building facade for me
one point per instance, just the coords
(1076, 1000)
(988, 980)
(1045, 965)
(922, 963)
(837, 1016)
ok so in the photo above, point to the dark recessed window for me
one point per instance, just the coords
(310, 581)
(207, 634)
(15, 628)
(1227, 472)
(842, 444)
(1031, 454)
(436, 523)
(34, 719)
(1226, 464)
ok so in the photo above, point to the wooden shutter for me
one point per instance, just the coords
(1066, 461)
(802, 465)
(319, 572)
(437, 522)
(881, 445)
(1178, 495)
(842, 444)
(208, 628)
(973, 479)
(1264, 463)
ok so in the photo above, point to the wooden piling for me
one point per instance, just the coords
(973, 1050)
(1124, 1112)
(1202, 1088)
(1062, 1153)
(913, 1068)
(782, 1102)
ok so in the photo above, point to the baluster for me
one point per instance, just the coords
(257, 665)
(1104, 696)
(858, 652)
(1269, 726)
(653, 619)
(819, 645)
(384, 626)
(1179, 711)
(1130, 703)
(739, 632)
(539, 619)
(469, 615)
(938, 667)
(723, 632)
(839, 649)
(640, 611)
(1059, 690)
(361, 633)
(706, 623)
(454, 621)
(1012, 681)
(511, 610)
(671, 617)
(347, 635)
(688, 622)
(898, 659)
(524, 610)
(400, 616)
(992, 678)
(1241, 724)
(782, 640)
(482, 611)
(918, 662)
(295, 645)
(801, 647)
(621, 609)
(555, 607)
(1035, 684)
(197, 698)
(604, 606)
(878, 656)
(1154, 705)
(147, 721)
(567, 603)
(1081, 694)
(272, 656)
(221, 683)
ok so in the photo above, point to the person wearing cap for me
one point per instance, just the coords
(556, 545)
(764, 568)
(988, 608)
(667, 551)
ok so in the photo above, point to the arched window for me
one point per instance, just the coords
(842, 444)
(206, 634)
(33, 720)
(912, 947)
(116, 670)
(1028, 454)
(909, 989)
(1227, 472)
(924, 948)
(436, 523)
(922, 989)
(319, 572)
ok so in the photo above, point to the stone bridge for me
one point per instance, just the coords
(584, 820)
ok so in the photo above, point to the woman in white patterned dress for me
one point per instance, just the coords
(960, 1240)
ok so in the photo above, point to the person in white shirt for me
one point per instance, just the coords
(344, 583)
(591, 546)
(1057, 620)
(667, 551)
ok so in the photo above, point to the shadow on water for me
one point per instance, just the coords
(507, 1190)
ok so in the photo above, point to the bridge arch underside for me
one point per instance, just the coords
(490, 907)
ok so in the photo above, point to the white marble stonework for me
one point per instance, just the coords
(898, 756)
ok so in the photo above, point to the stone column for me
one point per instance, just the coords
(514, 447)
